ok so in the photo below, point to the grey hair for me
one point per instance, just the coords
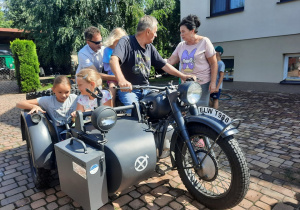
(90, 32)
(146, 22)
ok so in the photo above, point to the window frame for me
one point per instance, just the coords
(284, 1)
(227, 10)
(286, 79)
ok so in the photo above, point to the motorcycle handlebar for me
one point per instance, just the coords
(141, 87)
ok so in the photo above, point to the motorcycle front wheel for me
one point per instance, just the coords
(223, 180)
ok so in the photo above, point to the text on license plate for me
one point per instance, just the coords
(215, 114)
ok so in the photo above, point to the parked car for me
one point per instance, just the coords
(7, 66)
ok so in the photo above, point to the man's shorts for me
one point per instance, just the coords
(216, 95)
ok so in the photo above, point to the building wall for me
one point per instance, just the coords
(259, 19)
(260, 60)
(257, 38)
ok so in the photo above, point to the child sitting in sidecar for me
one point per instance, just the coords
(59, 106)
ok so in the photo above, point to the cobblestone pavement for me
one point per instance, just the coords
(269, 136)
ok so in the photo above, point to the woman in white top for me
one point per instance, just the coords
(196, 56)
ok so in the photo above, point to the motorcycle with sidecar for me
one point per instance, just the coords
(107, 152)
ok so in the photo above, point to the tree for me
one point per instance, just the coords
(57, 26)
(4, 23)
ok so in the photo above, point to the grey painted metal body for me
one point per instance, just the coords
(130, 154)
(41, 142)
(82, 175)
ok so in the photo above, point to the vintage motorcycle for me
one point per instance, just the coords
(110, 152)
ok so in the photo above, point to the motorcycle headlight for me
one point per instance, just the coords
(190, 92)
(35, 118)
(104, 118)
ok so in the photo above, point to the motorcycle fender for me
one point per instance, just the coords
(42, 148)
(201, 119)
(213, 123)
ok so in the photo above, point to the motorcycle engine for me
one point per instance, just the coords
(156, 105)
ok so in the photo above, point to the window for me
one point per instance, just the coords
(292, 67)
(283, 1)
(221, 7)
(229, 69)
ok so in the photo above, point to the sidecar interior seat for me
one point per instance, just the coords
(53, 129)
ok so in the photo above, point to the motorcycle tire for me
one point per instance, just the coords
(227, 178)
(41, 177)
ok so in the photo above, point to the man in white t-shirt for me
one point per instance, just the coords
(91, 55)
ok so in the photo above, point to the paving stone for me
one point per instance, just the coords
(22, 202)
(38, 203)
(281, 206)
(11, 199)
(52, 205)
(122, 200)
(136, 204)
(8, 207)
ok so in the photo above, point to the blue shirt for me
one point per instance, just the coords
(221, 68)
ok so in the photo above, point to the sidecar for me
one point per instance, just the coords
(99, 158)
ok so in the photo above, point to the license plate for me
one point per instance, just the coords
(215, 114)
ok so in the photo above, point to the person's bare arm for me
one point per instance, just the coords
(214, 71)
(220, 80)
(116, 69)
(171, 70)
(31, 105)
(173, 59)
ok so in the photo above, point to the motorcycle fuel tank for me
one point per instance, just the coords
(130, 154)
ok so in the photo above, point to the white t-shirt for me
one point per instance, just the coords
(89, 104)
(193, 58)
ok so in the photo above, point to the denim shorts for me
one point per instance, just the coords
(216, 95)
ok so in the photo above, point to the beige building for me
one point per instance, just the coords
(261, 38)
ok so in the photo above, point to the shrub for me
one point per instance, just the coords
(27, 65)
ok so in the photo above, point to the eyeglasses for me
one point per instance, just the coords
(99, 42)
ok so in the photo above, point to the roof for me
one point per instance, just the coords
(11, 30)
(9, 34)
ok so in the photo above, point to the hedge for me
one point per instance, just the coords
(27, 64)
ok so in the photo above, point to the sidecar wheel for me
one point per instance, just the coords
(224, 182)
(41, 177)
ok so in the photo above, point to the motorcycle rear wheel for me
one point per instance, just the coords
(229, 174)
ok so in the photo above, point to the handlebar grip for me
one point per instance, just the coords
(190, 79)
(80, 142)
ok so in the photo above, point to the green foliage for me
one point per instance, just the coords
(27, 64)
(57, 26)
(4, 23)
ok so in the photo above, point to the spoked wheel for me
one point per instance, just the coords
(223, 180)
(41, 177)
